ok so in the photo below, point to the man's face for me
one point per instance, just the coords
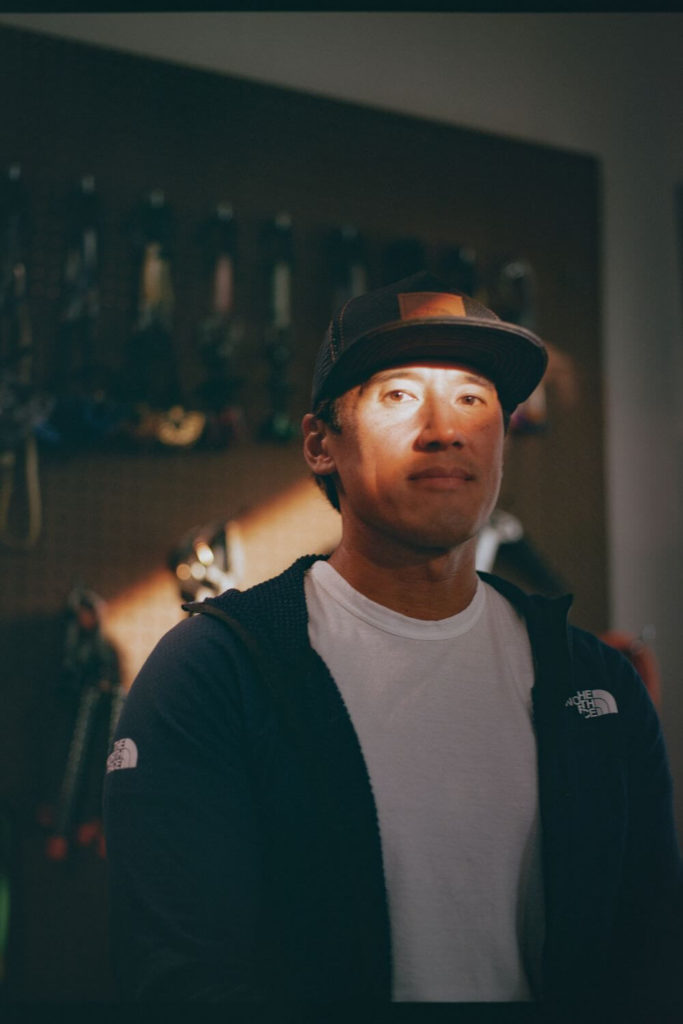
(419, 456)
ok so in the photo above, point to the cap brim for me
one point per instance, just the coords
(513, 358)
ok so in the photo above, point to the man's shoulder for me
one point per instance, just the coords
(287, 584)
(290, 579)
(271, 614)
(595, 664)
(609, 671)
(274, 610)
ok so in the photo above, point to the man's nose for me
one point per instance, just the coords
(441, 426)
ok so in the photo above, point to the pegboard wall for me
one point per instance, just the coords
(137, 125)
(111, 514)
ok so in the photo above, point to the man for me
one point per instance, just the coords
(382, 776)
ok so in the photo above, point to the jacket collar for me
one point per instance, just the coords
(276, 609)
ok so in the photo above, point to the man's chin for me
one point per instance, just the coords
(437, 542)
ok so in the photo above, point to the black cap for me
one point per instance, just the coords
(420, 318)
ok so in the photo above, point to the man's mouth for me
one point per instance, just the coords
(442, 478)
(442, 473)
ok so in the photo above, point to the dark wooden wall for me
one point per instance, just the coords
(137, 125)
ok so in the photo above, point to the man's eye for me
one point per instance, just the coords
(398, 395)
(471, 399)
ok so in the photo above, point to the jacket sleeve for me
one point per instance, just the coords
(650, 927)
(187, 906)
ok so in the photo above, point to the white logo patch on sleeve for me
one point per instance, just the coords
(123, 755)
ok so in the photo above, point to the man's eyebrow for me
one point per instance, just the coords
(398, 371)
(474, 378)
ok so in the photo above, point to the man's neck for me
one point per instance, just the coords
(432, 586)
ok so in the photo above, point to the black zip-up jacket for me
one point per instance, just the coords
(244, 850)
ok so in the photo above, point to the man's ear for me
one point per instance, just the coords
(316, 433)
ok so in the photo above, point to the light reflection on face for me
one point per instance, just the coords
(419, 456)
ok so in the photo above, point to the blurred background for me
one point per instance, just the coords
(184, 200)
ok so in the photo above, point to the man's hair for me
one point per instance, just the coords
(328, 410)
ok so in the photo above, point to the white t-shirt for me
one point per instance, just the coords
(442, 710)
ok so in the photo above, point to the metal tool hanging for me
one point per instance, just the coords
(150, 379)
(80, 299)
(504, 534)
(221, 333)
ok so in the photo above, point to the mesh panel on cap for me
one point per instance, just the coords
(368, 331)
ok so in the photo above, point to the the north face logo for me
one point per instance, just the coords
(123, 755)
(593, 703)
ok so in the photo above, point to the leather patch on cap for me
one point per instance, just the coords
(425, 305)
